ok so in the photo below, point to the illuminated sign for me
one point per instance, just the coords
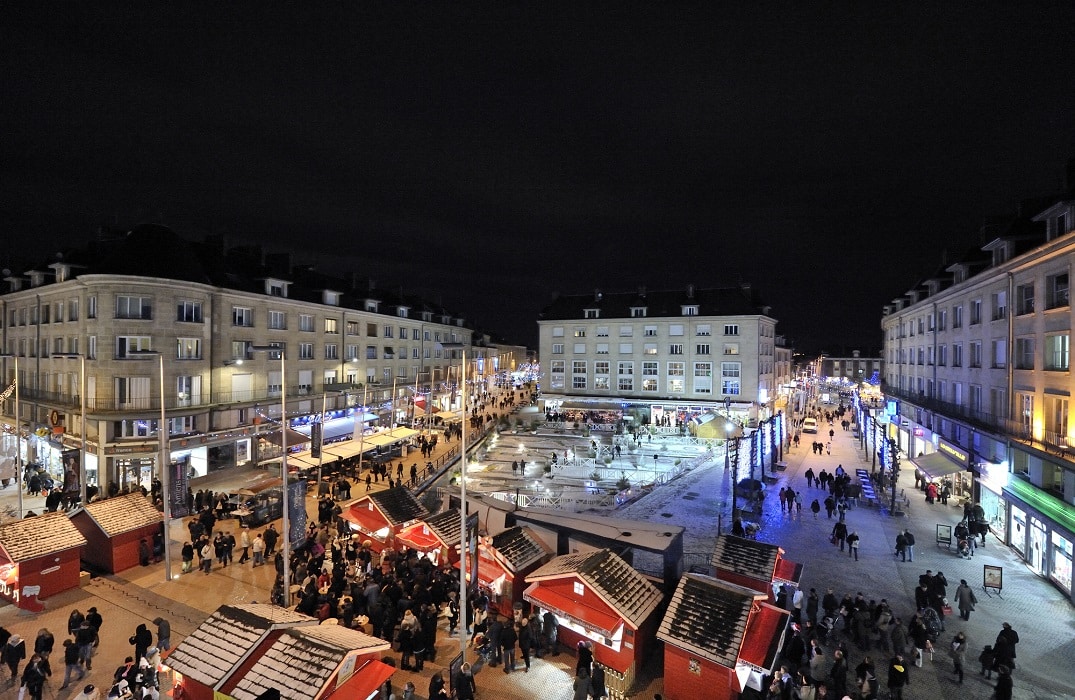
(952, 452)
(9, 581)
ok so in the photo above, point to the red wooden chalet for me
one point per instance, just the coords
(114, 528)
(379, 516)
(39, 557)
(753, 564)
(242, 651)
(598, 597)
(719, 638)
(437, 537)
(504, 561)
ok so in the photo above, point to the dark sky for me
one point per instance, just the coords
(487, 157)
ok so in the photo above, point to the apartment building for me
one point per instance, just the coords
(659, 357)
(854, 368)
(103, 317)
(977, 357)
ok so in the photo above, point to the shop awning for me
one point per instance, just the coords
(294, 437)
(597, 620)
(368, 520)
(488, 572)
(788, 571)
(366, 680)
(937, 466)
(419, 537)
(763, 636)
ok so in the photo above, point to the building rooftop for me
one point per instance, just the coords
(120, 514)
(38, 536)
(709, 618)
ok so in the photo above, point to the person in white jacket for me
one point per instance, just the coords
(244, 544)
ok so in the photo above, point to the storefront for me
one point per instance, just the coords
(992, 478)
(946, 467)
(1042, 530)
(1017, 528)
(1060, 570)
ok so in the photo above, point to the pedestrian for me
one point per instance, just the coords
(144, 552)
(207, 556)
(1010, 638)
(585, 658)
(84, 638)
(258, 547)
(581, 685)
(986, 659)
(897, 677)
(901, 547)
(839, 534)
(815, 507)
(33, 677)
(526, 642)
(43, 644)
(958, 652)
(799, 502)
(271, 537)
(72, 663)
(89, 693)
(463, 683)
(909, 537)
(187, 553)
(164, 633)
(965, 599)
(244, 544)
(1003, 690)
(508, 638)
(853, 545)
(141, 640)
(13, 653)
(597, 683)
(74, 621)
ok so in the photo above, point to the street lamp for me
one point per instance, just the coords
(18, 431)
(286, 523)
(463, 534)
(165, 461)
(82, 422)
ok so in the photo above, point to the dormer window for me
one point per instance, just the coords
(371, 305)
(403, 312)
(591, 313)
(37, 278)
(276, 287)
(427, 315)
(446, 319)
(638, 312)
(330, 298)
(61, 270)
(690, 309)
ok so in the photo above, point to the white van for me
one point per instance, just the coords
(810, 425)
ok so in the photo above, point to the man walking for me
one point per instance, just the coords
(965, 599)
(909, 538)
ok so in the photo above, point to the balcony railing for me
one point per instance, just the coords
(982, 419)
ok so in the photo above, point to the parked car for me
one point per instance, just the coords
(810, 425)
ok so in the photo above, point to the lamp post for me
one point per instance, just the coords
(165, 462)
(286, 522)
(463, 534)
(82, 422)
(18, 432)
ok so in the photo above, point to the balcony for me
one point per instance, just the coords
(978, 418)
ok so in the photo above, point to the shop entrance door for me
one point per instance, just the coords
(135, 473)
(1036, 554)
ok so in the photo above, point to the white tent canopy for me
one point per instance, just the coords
(351, 448)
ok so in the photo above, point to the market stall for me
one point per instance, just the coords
(599, 598)
(39, 557)
(504, 561)
(242, 651)
(114, 530)
(381, 515)
(719, 639)
(756, 565)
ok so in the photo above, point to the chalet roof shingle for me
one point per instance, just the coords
(122, 513)
(445, 524)
(623, 588)
(518, 547)
(211, 651)
(709, 618)
(398, 505)
(39, 535)
(303, 659)
(746, 557)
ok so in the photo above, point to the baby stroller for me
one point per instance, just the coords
(932, 621)
(828, 624)
(484, 647)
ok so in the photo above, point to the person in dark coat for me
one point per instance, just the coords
(463, 683)
(898, 676)
(142, 640)
(13, 653)
(1003, 690)
(74, 621)
(508, 638)
(585, 660)
(597, 683)
(33, 678)
(1011, 637)
(143, 552)
(436, 685)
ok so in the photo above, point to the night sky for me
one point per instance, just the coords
(488, 157)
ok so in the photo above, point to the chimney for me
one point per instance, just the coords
(690, 291)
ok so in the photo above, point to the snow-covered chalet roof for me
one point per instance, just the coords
(120, 514)
(38, 536)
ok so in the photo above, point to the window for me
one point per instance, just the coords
(942, 355)
(1000, 305)
(353, 327)
(625, 383)
(389, 331)
(957, 317)
(91, 347)
(189, 312)
(650, 331)
(579, 348)
(371, 330)
(601, 367)
(649, 369)
(371, 352)
(626, 331)
(976, 312)
(690, 310)
(957, 354)
(57, 346)
(675, 380)
(402, 333)
(306, 323)
(675, 349)
(729, 378)
(272, 355)
(731, 348)
(731, 329)
(240, 349)
(1024, 299)
(942, 319)
(701, 349)
(627, 348)
(278, 320)
(704, 329)
(72, 310)
(332, 325)
(602, 331)
(703, 377)
(242, 316)
(188, 349)
(638, 312)
(580, 333)
(126, 344)
(602, 349)
(999, 353)
(578, 367)
(591, 313)
(134, 307)
(602, 382)
(1056, 418)
(91, 307)
(557, 348)
(332, 351)
(1024, 353)
(1056, 291)
(556, 374)
(975, 354)
(625, 368)
(675, 329)
(188, 390)
(132, 392)
(306, 381)
(1056, 352)
(557, 332)
(306, 351)
(649, 349)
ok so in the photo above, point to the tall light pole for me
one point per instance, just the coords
(82, 422)
(18, 431)
(463, 534)
(165, 463)
(286, 524)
